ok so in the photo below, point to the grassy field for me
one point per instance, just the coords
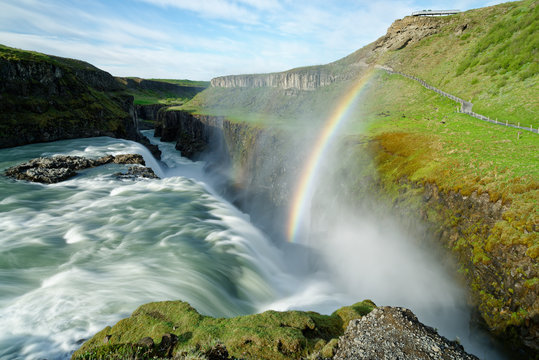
(488, 56)
(433, 143)
(162, 91)
(269, 335)
(185, 82)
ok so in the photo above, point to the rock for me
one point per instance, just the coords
(167, 344)
(395, 333)
(218, 352)
(135, 172)
(129, 159)
(86, 101)
(59, 168)
(146, 342)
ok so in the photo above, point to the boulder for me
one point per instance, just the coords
(395, 333)
(50, 170)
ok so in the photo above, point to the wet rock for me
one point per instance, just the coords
(395, 333)
(129, 159)
(135, 172)
(50, 170)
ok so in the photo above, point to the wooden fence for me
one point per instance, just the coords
(465, 106)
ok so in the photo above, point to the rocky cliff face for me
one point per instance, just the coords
(309, 78)
(261, 163)
(45, 98)
(402, 33)
(148, 112)
(255, 161)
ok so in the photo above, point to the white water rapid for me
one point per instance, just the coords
(84, 253)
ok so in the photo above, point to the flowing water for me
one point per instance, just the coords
(82, 254)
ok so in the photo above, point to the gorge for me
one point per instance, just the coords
(405, 202)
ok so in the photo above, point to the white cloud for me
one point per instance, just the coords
(200, 39)
(219, 9)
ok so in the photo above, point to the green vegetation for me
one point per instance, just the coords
(9, 53)
(162, 91)
(418, 141)
(269, 335)
(185, 82)
(70, 98)
(489, 56)
(417, 138)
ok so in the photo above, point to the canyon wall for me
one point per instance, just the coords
(46, 98)
(309, 78)
(259, 164)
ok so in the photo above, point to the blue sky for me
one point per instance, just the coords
(201, 39)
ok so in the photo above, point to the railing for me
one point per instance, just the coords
(466, 106)
(435, 12)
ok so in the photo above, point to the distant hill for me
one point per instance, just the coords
(47, 98)
(162, 91)
(486, 55)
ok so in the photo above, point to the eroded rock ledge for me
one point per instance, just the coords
(395, 333)
(173, 329)
(50, 170)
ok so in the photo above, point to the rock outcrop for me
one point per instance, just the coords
(59, 168)
(402, 33)
(47, 98)
(161, 87)
(147, 115)
(309, 78)
(253, 162)
(391, 333)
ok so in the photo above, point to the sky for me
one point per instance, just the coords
(202, 39)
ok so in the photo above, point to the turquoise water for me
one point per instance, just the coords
(79, 255)
(82, 254)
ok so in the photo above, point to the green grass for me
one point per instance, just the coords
(287, 109)
(185, 82)
(151, 93)
(269, 335)
(494, 62)
(433, 143)
(10, 53)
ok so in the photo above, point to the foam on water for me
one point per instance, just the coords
(84, 253)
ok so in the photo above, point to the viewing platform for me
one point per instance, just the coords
(435, 12)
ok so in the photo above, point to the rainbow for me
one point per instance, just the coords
(306, 181)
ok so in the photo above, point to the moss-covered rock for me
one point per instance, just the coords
(269, 335)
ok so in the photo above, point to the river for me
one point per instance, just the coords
(82, 254)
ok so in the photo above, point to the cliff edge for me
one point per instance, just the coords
(47, 98)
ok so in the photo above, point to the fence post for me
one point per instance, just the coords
(518, 124)
(506, 122)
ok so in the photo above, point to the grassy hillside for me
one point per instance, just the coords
(45, 98)
(270, 335)
(162, 91)
(418, 139)
(489, 56)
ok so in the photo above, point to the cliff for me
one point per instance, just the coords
(260, 166)
(252, 161)
(309, 78)
(147, 92)
(47, 98)
(487, 56)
